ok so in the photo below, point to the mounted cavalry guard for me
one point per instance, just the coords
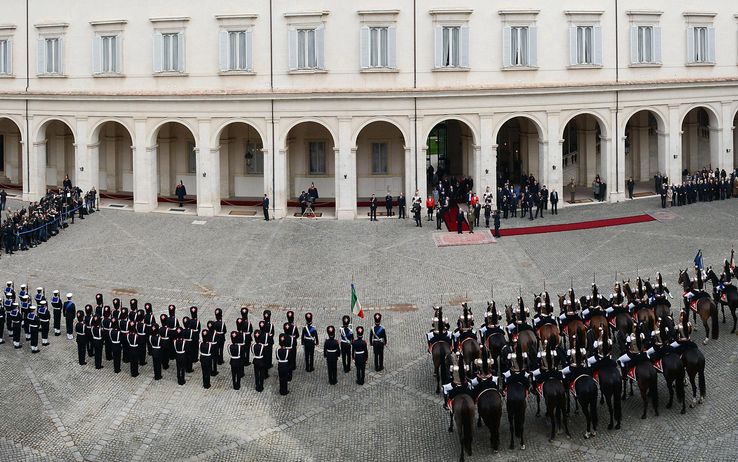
(458, 384)
(660, 293)
(684, 332)
(439, 329)
(617, 303)
(544, 311)
(517, 365)
(635, 354)
(347, 337)
(694, 290)
(464, 327)
(596, 304)
(519, 320)
(491, 324)
(569, 311)
(549, 360)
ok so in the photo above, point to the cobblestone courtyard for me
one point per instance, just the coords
(53, 409)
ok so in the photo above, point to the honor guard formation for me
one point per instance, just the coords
(133, 336)
(592, 346)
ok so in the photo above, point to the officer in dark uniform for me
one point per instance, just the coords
(96, 339)
(116, 347)
(248, 332)
(206, 360)
(401, 205)
(213, 348)
(309, 339)
(662, 193)
(287, 344)
(157, 352)
(283, 364)
(99, 305)
(44, 318)
(257, 357)
(497, 223)
(33, 328)
(133, 345)
(69, 312)
(331, 352)
(181, 355)
(388, 204)
(295, 334)
(359, 353)
(2, 322)
(15, 320)
(236, 355)
(82, 339)
(459, 221)
(347, 338)
(143, 335)
(373, 208)
(220, 334)
(25, 307)
(40, 295)
(378, 339)
(9, 290)
(267, 335)
(193, 347)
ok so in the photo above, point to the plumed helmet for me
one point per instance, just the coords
(262, 325)
(205, 334)
(282, 339)
(218, 314)
(244, 312)
(267, 315)
(359, 331)
(286, 327)
(172, 310)
(163, 317)
(377, 318)
(346, 320)
(134, 304)
(88, 309)
(148, 308)
(309, 317)
(331, 331)
(116, 303)
(234, 334)
(291, 316)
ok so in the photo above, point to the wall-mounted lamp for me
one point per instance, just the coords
(345, 177)
(204, 174)
(81, 169)
(554, 167)
(486, 171)
(675, 156)
(728, 150)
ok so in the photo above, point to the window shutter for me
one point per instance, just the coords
(438, 31)
(532, 46)
(656, 44)
(320, 47)
(119, 54)
(634, 45)
(711, 45)
(181, 52)
(364, 47)
(292, 49)
(690, 45)
(506, 44)
(158, 51)
(9, 56)
(223, 50)
(249, 50)
(61, 56)
(597, 45)
(464, 61)
(573, 45)
(41, 56)
(97, 54)
(392, 47)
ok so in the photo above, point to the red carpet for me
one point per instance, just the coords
(576, 226)
(450, 219)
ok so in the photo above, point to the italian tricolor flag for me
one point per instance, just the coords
(355, 304)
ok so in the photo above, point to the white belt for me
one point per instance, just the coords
(113, 341)
(96, 338)
(359, 352)
(282, 361)
(235, 357)
(156, 348)
(180, 352)
(257, 357)
(204, 354)
(44, 320)
(331, 351)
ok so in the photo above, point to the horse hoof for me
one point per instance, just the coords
(522, 447)
(643, 417)
(683, 411)
(668, 406)
(701, 400)
(617, 426)
(594, 434)
(586, 435)
(704, 342)
(609, 427)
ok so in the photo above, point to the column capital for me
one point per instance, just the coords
(152, 148)
(93, 146)
(344, 118)
(139, 120)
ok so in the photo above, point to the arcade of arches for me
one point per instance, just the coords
(115, 160)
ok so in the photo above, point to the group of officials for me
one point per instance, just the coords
(132, 335)
(703, 186)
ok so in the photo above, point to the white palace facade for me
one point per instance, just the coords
(241, 98)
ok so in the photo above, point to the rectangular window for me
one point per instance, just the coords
(5, 64)
(191, 157)
(109, 45)
(53, 56)
(237, 51)
(254, 159)
(585, 48)
(451, 48)
(306, 56)
(170, 52)
(378, 47)
(317, 157)
(379, 159)
(519, 46)
(700, 45)
(645, 44)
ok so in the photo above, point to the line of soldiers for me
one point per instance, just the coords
(131, 335)
(29, 316)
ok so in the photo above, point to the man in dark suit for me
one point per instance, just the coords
(265, 207)
(373, 208)
(401, 204)
(388, 204)
(459, 220)
(554, 202)
(630, 184)
(180, 191)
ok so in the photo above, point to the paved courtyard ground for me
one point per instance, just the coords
(53, 409)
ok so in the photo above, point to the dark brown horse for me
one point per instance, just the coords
(671, 364)
(554, 392)
(609, 375)
(703, 306)
(644, 312)
(440, 349)
(724, 294)
(489, 408)
(645, 373)
(462, 411)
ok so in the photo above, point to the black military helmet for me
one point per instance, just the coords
(267, 315)
(98, 299)
(239, 324)
(291, 316)
(262, 324)
(148, 308)
(377, 318)
(244, 312)
(234, 334)
(185, 321)
(132, 325)
(331, 331)
(88, 309)
(116, 303)
(309, 317)
(134, 304)
(179, 331)
(257, 335)
(205, 334)
(106, 311)
(210, 324)
(172, 310)
(163, 317)
(359, 331)
(218, 314)
(140, 315)
(286, 327)
(154, 329)
(346, 320)
(80, 315)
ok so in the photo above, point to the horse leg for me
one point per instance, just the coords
(618, 411)
(722, 308)
(609, 409)
(576, 407)
(625, 384)
(703, 386)
(451, 427)
(654, 391)
(694, 319)
(694, 389)
(565, 422)
(479, 420)
(551, 415)
(670, 387)
(538, 403)
(735, 318)
(644, 397)
(511, 421)
(438, 380)
(585, 411)
(680, 394)
(707, 331)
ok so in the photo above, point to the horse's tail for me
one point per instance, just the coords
(680, 388)
(593, 409)
(618, 413)
(715, 324)
(467, 419)
(701, 379)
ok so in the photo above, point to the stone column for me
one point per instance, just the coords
(93, 165)
(37, 171)
(553, 156)
(641, 138)
(673, 158)
(207, 172)
(487, 173)
(408, 174)
(345, 172)
(83, 170)
(12, 165)
(592, 169)
(726, 140)
(145, 174)
(419, 171)
(693, 146)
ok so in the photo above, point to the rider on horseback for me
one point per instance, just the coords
(684, 331)
(491, 323)
(545, 312)
(518, 365)
(548, 365)
(596, 304)
(694, 290)
(465, 327)
(636, 346)
(458, 384)
(439, 331)
(617, 302)
(569, 310)
(578, 363)
(660, 292)
(519, 319)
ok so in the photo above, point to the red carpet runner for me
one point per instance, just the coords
(450, 220)
(576, 226)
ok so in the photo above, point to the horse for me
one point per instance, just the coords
(661, 308)
(493, 343)
(545, 331)
(526, 338)
(694, 363)
(439, 350)
(671, 364)
(462, 409)
(645, 373)
(585, 389)
(609, 375)
(728, 295)
(489, 409)
(644, 312)
(471, 352)
(554, 393)
(573, 326)
(703, 306)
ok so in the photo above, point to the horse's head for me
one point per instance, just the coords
(508, 313)
(546, 298)
(561, 301)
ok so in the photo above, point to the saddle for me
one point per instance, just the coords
(476, 400)
(573, 383)
(658, 366)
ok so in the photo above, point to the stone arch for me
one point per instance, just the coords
(604, 126)
(45, 123)
(462, 119)
(155, 131)
(317, 120)
(369, 121)
(226, 123)
(536, 123)
(95, 132)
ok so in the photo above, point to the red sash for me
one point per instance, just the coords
(724, 297)
(693, 305)
(596, 377)
(613, 322)
(631, 373)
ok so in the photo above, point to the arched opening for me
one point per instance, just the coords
(176, 162)
(115, 161)
(11, 155)
(241, 166)
(380, 164)
(644, 151)
(60, 153)
(519, 152)
(311, 162)
(582, 160)
(450, 153)
(699, 145)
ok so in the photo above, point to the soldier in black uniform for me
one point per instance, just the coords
(15, 320)
(189, 337)
(359, 353)
(116, 347)
(213, 348)
(81, 332)
(133, 345)
(143, 335)
(96, 338)
(267, 335)
(236, 355)
(347, 338)
(331, 353)
(33, 328)
(248, 332)
(206, 360)
(25, 307)
(401, 205)
(378, 339)
(180, 351)
(157, 352)
(69, 312)
(309, 340)
(497, 223)
(2, 322)
(373, 208)
(167, 345)
(295, 334)
(283, 364)
(44, 318)
(257, 356)
(288, 345)
(196, 327)
(219, 334)
(388, 204)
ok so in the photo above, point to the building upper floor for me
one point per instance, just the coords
(305, 46)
